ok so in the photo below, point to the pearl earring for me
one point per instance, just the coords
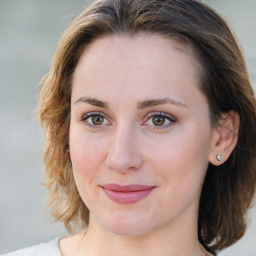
(219, 158)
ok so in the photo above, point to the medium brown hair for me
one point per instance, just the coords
(228, 189)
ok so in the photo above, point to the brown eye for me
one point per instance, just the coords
(97, 120)
(158, 120)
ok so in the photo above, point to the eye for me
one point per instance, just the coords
(159, 120)
(95, 120)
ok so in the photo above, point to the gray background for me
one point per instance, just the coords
(28, 36)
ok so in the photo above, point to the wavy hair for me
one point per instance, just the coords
(228, 189)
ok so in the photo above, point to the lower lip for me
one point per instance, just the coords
(127, 197)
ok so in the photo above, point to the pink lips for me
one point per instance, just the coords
(128, 193)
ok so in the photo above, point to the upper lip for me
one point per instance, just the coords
(126, 188)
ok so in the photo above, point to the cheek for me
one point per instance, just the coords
(87, 156)
(182, 166)
(86, 152)
(182, 158)
(179, 151)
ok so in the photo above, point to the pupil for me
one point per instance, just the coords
(97, 120)
(158, 120)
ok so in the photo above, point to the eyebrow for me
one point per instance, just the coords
(92, 101)
(156, 102)
(141, 104)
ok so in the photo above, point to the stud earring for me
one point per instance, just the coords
(219, 158)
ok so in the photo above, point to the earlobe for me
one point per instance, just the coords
(224, 138)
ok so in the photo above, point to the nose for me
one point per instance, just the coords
(124, 151)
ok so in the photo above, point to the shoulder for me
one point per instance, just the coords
(43, 249)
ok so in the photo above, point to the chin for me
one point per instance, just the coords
(125, 226)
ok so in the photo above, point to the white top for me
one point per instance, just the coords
(44, 249)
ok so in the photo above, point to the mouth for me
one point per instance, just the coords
(127, 194)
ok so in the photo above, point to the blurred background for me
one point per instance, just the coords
(28, 35)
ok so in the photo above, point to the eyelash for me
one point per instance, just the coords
(85, 118)
(168, 117)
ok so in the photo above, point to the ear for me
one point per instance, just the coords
(225, 137)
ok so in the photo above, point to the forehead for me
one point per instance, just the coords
(140, 49)
(144, 65)
(129, 41)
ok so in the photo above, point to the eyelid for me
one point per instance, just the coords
(171, 118)
(94, 113)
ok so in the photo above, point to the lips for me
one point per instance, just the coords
(128, 193)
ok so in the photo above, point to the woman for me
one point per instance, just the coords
(150, 122)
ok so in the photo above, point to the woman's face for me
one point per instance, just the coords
(140, 134)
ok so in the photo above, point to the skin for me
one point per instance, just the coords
(125, 146)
